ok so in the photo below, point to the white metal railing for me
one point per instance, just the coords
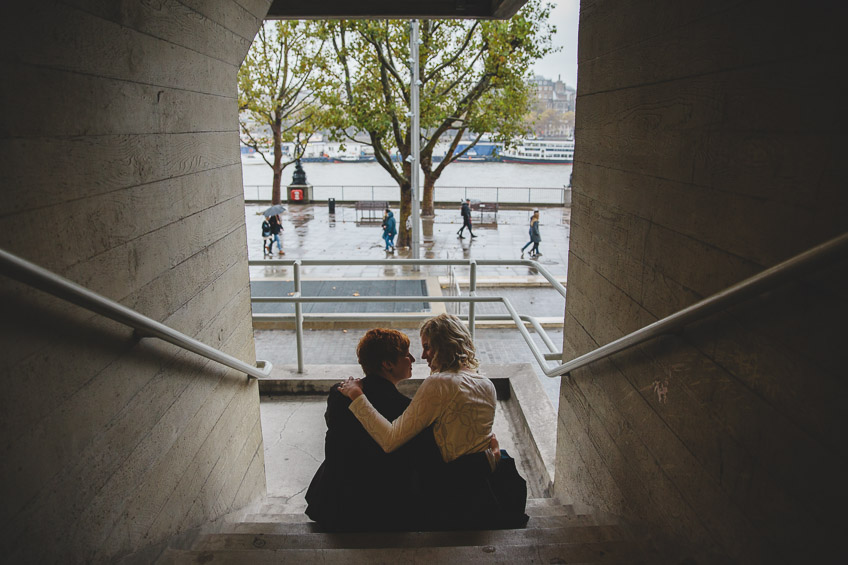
(769, 278)
(29, 273)
(557, 196)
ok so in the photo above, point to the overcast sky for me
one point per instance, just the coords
(564, 63)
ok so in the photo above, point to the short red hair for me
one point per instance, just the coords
(378, 345)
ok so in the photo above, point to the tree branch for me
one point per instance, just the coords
(456, 55)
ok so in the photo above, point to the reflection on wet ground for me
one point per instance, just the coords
(311, 232)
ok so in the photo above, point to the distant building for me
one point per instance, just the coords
(554, 95)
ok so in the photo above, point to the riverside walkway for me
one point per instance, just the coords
(311, 232)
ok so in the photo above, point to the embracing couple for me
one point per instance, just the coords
(430, 463)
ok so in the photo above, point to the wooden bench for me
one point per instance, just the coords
(370, 210)
(485, 208)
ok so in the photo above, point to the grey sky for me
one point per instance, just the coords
(564, 63)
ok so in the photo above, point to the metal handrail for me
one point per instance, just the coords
(298, 299)
(29, 273)
(769, 278)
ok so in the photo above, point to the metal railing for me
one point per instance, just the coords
(771, 277)
(739, 292)
(472, 299)
(518, 195)
(29, 273)
(47, 281)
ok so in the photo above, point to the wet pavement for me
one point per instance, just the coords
(311, 232)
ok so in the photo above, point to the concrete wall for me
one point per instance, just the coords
(709, 147)
(120, 170)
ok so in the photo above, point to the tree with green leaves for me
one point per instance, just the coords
(276, 104)
(473, 81)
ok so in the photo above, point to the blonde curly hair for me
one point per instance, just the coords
(450, 344)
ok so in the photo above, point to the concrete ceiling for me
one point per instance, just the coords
(395, 9)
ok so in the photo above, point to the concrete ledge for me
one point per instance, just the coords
(318, 379)
(534, 421)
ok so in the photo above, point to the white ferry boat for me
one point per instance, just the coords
(540, 151)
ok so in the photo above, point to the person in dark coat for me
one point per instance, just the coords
(389, 230)
(359, 487)
(276, 237)
(535, 236)
(266, 237)
(465, 212)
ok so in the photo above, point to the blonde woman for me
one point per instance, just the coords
(459, 403)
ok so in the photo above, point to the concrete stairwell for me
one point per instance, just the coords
(275, 531)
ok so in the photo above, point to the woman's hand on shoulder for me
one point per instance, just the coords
(352, 388)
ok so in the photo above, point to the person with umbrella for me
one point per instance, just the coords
(272, 215)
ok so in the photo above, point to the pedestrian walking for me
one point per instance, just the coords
(389, 230)
(465, 211)
(276, 236)
(266, 237)
(535, 236)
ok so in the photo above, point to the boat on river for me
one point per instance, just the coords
(481, 151)
(541, 152)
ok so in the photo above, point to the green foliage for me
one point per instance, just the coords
(473, 79)
(276, 102)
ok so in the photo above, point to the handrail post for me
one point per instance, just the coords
(298, 316)
(472, 291)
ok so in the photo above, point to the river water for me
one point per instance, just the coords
(502, 182)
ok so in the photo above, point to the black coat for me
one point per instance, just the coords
(465, 212)
(275, 225)
(359, 486)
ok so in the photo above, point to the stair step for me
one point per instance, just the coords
(277, 541)
(283, 511)
(275, 517)
(281, 505)
(593, 552)
(299, 523)
(281, 508)
(536, 502)
(562, 510)
(269, 527)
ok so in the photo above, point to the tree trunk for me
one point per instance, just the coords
(278, 165)
(404, 233)
(427, 207)
(275, 190)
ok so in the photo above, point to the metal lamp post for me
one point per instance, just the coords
(415, 136)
